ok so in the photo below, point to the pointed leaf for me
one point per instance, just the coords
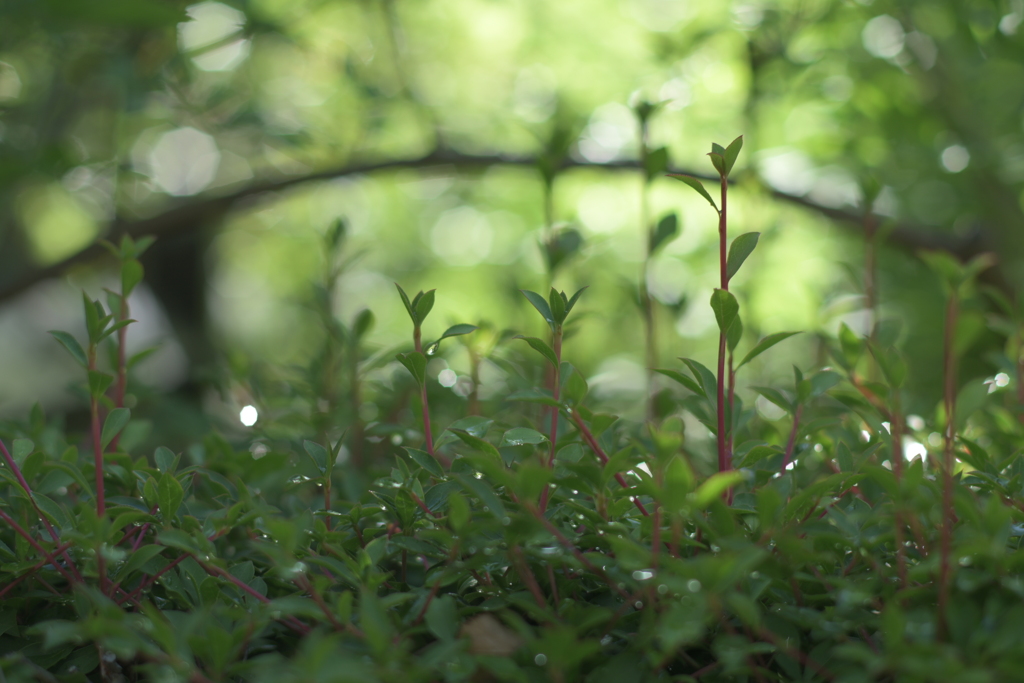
(99, 382)
(663, 232)
(731, 152)
(656, 162)
(718, 161)
(732, 338)
(739, 250)
(131, 275)
(697, 185)
(475, 442)
(318, 454)
(423, 305)
(169, 494)
(484, 492)
(703, 375)
(456, 330)
(72, 346)
(541, 305)
(426, 461)
(557, 306)
(572, 302)
(684, 380)
(541, 347)
(726, 308)
(112, 426)
(408, 304)
(518, 436)
(416, 363)
(763, 345)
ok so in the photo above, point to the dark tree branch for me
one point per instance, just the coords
(193, 214)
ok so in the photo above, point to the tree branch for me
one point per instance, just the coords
(194, 214)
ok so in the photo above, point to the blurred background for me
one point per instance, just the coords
(457, 138)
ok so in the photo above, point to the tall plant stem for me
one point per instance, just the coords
(949, 435)
(871, 283)
(588, 436)
(423, 395)
(555, 387)
(121, 388)
(646, 305)
(724, 457)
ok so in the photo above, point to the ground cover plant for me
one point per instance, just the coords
(528, 536)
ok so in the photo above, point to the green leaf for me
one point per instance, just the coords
(541, 347)
(136, 560)
(99, 382)
(416, 363)
(426, 461)
(663, 232)
(541, 305)
(93, 317)
(572, 302)
(131, 275)
(456, 330)
(731, 152)
(318, 454)
(165, 459)
(718, 161)
(556, 302)
(684, 380)
(763, 345)
(739, 250)
(484, 492)
(518, 436)
(726, 308)
(732, 339)
(476, 442)
(656, 162)
(697, 185)
(706, 378)
(408, 304)
(540, 396)
(72, 346)
(424, 303)
(712, 489)
(362, 323)
(169, 495)
(442, 618)
(112, 426)
(574, 386)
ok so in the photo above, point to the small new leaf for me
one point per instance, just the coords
(424, 302)
(408, 304)
(572, 302)
(739, 250)
(697, 185)
(731, 152)
(556, 302)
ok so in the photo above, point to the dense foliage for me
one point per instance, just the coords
(536, 538)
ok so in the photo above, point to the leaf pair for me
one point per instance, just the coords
(723, 159)
(556, 309)
(419, 307)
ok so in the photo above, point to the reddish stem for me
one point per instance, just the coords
(723, 444)
(599, 452)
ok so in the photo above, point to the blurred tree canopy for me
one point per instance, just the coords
(238, 132)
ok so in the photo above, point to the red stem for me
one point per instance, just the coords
(599, 452)
(423, 395)
(723, 445)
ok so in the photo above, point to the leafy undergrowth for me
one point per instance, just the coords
(535, 538)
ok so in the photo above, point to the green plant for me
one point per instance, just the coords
(560, 544)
